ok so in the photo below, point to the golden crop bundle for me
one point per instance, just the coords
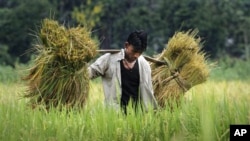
(59, 76)
(186, 67)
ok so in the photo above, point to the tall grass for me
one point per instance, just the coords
(230, 69)
(205, 114)
(8, 74)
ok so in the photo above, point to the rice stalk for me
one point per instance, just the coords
(196, 71)
(186, 67)
(59, 77)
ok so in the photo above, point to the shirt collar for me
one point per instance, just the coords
(121, 55)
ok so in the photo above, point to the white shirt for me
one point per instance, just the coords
(108, 67)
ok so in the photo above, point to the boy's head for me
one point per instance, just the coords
(135, 45)
(138, 39)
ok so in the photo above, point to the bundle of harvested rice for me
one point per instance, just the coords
(186, 67)
(59, 77)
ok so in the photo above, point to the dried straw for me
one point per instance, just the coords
(59, 77)
(187, 67)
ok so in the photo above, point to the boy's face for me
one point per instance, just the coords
(130, 53)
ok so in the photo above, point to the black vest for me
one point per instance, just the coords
(130, 79)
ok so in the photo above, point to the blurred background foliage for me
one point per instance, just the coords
(224, 25)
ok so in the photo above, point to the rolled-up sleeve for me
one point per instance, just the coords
(99, 67)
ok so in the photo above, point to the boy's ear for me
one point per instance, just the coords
(126, 44)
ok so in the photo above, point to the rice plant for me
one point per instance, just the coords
(206, 113)
(59, 76)
(186, 67)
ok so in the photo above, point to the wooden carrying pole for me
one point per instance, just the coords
(146, 57)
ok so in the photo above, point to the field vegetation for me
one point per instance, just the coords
(205, 113)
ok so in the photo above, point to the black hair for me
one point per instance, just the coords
(138, 39)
